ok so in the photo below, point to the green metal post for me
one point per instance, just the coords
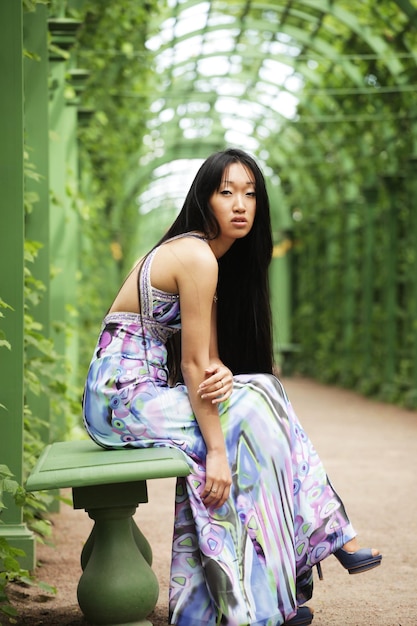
(349, 294)
(12, 266)
(412, 186)
(390, 289)
(71, 244)
(371, 196)
(35, 34)
(63, 173)
(57, 168)
(280, 302)
(280, 277)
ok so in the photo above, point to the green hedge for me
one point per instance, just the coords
(349, 179)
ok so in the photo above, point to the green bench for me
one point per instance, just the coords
(117, 586)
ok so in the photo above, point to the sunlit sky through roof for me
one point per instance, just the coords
(210, 62)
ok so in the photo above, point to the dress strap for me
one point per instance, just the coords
(144, 285)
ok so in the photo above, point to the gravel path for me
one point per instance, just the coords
(370, 453)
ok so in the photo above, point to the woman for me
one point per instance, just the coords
(257, 511)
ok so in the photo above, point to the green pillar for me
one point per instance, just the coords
(12, 264)
(280, 277)
(412, 186)
(393, 184)
(35, 34)
(63, 173)
(281, 300)
(367, 279)
(350, 295)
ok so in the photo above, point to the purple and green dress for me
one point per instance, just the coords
(249, 562)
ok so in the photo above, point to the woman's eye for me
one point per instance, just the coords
(225, 192)
(251, 194)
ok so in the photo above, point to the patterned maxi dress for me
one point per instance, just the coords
(249, 562)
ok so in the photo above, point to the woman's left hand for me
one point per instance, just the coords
(218, 384)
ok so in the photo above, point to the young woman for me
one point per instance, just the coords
(184, 359)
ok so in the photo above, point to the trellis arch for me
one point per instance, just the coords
(295, 35)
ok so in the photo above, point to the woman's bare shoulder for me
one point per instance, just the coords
(180, 260)
(192, 250)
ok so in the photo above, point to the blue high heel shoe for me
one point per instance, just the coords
(359, 561)
(355, 562)
(303, 618)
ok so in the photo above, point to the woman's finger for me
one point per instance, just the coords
(218, 385)
(219, 377)
(216, 497)
(212, 392)
(221, 398)
(225, 391)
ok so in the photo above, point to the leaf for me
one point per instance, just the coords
(10, 486)
(4, 305)
(27, 580)
(46, 587)
(42, 527)
(20, 496)
(59, 51)
(9, 610)
(33, 56)
(5, 472)
(11, 564)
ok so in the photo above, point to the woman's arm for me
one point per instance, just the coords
(218, 383)
(195, 270)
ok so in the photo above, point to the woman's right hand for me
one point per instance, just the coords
(218, 479)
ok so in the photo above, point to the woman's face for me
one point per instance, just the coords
(234, 203)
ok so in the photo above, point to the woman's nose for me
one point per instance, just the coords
(239, 203)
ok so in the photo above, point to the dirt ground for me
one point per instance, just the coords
(369, 450)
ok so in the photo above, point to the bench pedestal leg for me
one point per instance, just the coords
(117, 586)
(140, 539)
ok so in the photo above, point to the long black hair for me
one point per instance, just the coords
(244, 324)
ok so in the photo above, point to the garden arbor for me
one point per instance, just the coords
(39, 164)
(116, 113)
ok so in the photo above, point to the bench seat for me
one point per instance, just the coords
(117, 586)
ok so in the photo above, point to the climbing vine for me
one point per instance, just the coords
(111, 48)
(349, 183)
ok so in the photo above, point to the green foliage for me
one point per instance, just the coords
(110, 141)
(111, 47)
(10, 569)
(3, 341)
(45, 373)
(40, 377)
(350, 184)
(30, 5)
